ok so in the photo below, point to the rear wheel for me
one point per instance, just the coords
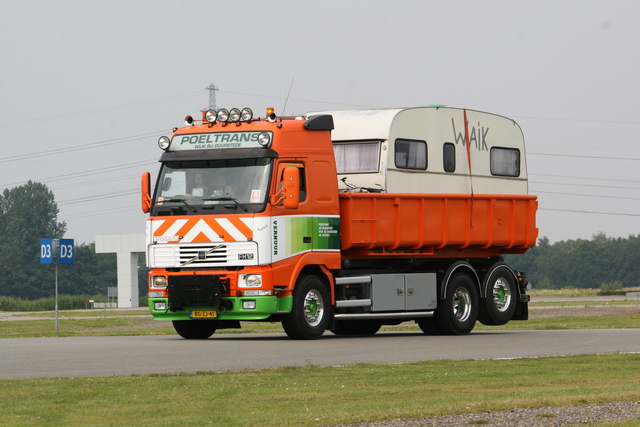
(309, 315)
(195, 329)
(500, 304)
(457, 314)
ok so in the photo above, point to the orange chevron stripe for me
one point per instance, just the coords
(217, 228)
(242, 227)
(163, 227)
(187, 226)
(211, 222)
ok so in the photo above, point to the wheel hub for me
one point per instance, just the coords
(501, 294)
(461, 304)
(313, 308)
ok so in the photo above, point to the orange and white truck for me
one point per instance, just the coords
(339, 220)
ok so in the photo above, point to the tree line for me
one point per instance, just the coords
(29, 213)
(581, 263)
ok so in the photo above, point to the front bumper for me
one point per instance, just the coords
(232, 308)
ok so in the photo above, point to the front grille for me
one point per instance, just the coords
(223, 254)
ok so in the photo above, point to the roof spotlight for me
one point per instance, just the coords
(234, 115)
(247, 114)
(164, 142)
(211, 116)
(223, 115)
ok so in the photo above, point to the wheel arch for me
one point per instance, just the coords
(458, 267)
(323, 274)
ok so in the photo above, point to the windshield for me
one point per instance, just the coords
(195, 185)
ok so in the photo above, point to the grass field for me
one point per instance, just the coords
(314, 395)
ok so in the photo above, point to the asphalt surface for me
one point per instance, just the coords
(127, 355)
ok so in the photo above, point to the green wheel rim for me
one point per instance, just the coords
(502, 294)
(313, 308)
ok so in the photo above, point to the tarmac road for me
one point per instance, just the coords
(106, 356)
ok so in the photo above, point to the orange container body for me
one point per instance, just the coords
(436, 225)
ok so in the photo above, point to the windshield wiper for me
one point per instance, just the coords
(183, 201)
(226, 199)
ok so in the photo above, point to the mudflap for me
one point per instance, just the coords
(193, 291)
(522, 311)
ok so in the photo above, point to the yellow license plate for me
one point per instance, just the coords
(204, 314)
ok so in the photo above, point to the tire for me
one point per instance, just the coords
(428, 326)
(356, 327)
(195, 329)
(309, 315)
(500, 304)
(458, 312)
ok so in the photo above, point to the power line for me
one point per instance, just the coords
(584, 185)
(555, 119)
(97, 197)
(101, 212)
(94, 182)
(100, 110)
(301, 100)
(84, 173)
(588, 212)
(583, 177)
(98, 144)
(583, 156)
(588, 195)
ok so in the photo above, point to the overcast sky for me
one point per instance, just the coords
(87, 87)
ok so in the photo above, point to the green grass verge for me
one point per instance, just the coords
(142, 324)
(572, 292)
(314, 396)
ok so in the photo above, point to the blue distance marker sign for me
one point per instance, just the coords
(65, 251)
(46, 251)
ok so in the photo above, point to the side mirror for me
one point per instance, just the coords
(146, 192)
(291, 187)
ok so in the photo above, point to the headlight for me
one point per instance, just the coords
(264, 139)
(164, 142)
(250, 281)
(158, 282)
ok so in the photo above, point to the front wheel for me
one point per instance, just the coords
(458, 313)
(195, 329)
(309, 315)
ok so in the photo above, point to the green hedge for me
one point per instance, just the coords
(65, 302)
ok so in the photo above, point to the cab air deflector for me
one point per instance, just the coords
(319, 122)
(244, 153)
